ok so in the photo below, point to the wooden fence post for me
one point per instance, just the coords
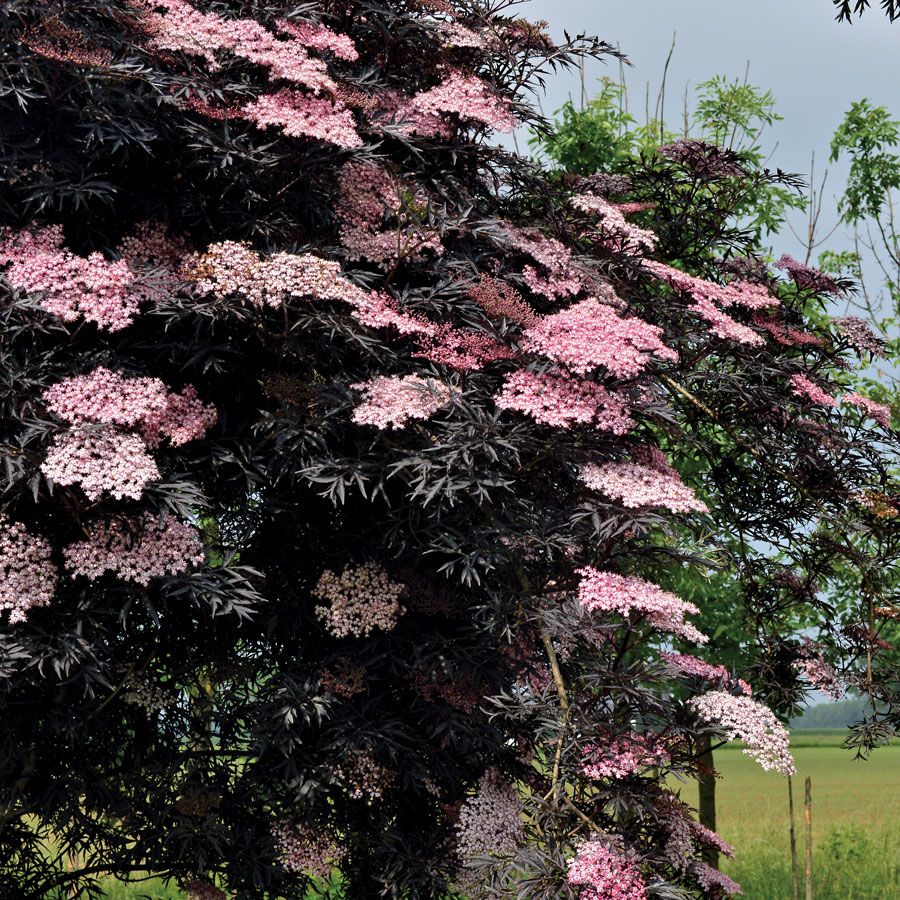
(808, 816)
(795, 874)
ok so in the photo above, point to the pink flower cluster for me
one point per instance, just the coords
(70, 286)
(359, 600)
(183, 28)
(880, 412)
(563, 278)
(635, 485)
(468, 97)
(622, 756)
(392, 402)
(697, 668)
(151, 244)
(801, 386)
(306, 850)
(302, 115)
(228, 268)
(818, 670)
(202, 890)
(490, 821)
(858, 333)
(604, 873)
(502, 301)
(466, 351)
(785, 335)
(612, 218)
(715, 882)
(765, 738)
(562, 401)
(102, 460)
(807, 278)
(591, 334)
(105, 397)
(136, 549)
(321, 37)
(377, 215)
(627, 594)
(27, 574)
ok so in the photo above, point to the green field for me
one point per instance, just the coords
(856, 805)
(856, 808)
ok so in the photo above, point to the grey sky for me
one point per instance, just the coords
(815, 66)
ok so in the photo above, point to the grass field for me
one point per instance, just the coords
(856, 805)
(856, 809)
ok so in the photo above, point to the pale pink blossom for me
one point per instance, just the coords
(821, 674)
(806, 388)
(102, 460)
(321, 37)
(635, 485)
(698, 668)
(723, 326)
(27, 574)
(807, 278)
(747, 294)
(358, 601)
(627, 594)
(613, 221)
(69, 286)
(502, 301)
(490, 821)
(307, 850)
(468, 97)
(604, 873)
(715, 882)
(765, 738)
(858, 333)
(880, 412)
(136, 549)
(465, 351)
(562, 401)
(622, 756)
(590, 334)
(391, 402)
(303, 115)
(176, 25)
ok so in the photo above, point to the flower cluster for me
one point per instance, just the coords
(715, 882)
(801, 386)
(591, 334)
(466, 351)
(626, 594)
(612, 218)
(70, 286)
(698, 668)
(105, 397)
(786, 335)
(858, 333)
(379, 216)
(136, 549)
(27, 574)
(562, 401)
(621, 756)
(765, 738)
(392, 402)
(807, 278)
(176, 25)
(102, 460)
(880, 412)
(362, 777)
(502, 301)
(604, 873)
(306, 850)
(360, 599)
(301, 115)
(202, 890)
(818, 670)
(345, 679)
(702, 159)
(149, 697)
(321, 37)
(228, 268)
(635, 485)
(490, 821)
(468, 97)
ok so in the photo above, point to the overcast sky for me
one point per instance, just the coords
(815, 66)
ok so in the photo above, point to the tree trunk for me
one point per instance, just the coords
(808, 816)
(795, 875)
(706, 807)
